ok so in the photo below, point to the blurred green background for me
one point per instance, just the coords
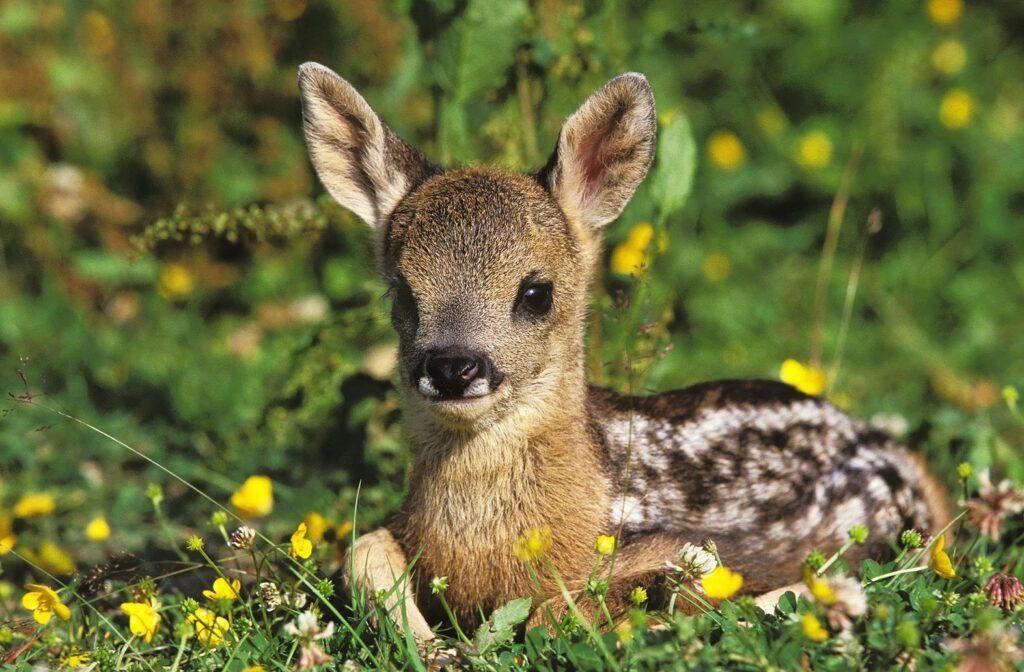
(171, 272)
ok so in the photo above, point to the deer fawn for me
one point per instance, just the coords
(488, 273)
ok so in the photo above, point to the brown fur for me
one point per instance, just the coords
(768, 472)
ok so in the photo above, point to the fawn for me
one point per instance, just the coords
(488, 273)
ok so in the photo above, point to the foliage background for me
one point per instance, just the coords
(257, 341)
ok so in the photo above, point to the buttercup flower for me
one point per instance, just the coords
(722, 583)
(814, 150)
(255, 498)
(316, 525)
(34, 504)
(77, 658)
(7, 536)
(175, 282)
(210, 628)
(726, 151)
(993, 504)
(98, 529)
(300, 546)
(809, 379)
(52, 558)
(44, 602)
(605, 544)
(813, 629)
(630, 256)
(945, 12)
(950, 57)
(143, 618)
(533, 544)
(222, 590)
(940, 562)
(956, 109)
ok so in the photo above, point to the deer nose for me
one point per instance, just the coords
(452, 372)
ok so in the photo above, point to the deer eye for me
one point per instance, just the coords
(534, 298)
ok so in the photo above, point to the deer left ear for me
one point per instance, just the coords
(604, 151)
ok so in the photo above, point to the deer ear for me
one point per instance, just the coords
(362, 163)
(604, 151)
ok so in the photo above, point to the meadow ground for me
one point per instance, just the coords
(199, 362)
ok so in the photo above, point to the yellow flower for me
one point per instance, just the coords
(253, 668)
(638, 596)
(222, 590)
(624, 632)
(640, 235)
(300, 546)
(808, 379)
(716, 266)
(7, 536)
(722, 583)
(945, 12)
(143, 618)
(949, 57)
(211, 629)
(725, 150)
(956, 109)
(255, 498)
(628, 260)
(98, 529)
(175, 282)
(605, 544)
(533, 544)
(814, 150)
(940, 562)
(342, 529)
(316, 525)
(34, 504)
(819, 588)
(813, 629)
(44, 602)
(52, 558)
(77, 658)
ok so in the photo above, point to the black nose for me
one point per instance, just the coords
(452, 371)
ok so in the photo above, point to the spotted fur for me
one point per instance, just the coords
(767, 472)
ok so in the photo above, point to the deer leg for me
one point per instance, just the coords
(375, 564)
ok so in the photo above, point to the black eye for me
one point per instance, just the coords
(534, 298)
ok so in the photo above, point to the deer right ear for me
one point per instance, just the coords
(362, 163)
(604, 151)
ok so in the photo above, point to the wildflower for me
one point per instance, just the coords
(143, 618)
(956, 109)
(7, 536)
(605, 544)
(945, 12)
(819, 587)
(77, 658)
(693, 562)
(219, 518)
(255, 498)
(307, 632)
(726, 151)
(716, 267)
(52, 558)
(814, 150)
(1011, 396)
(438, 584)
(34, 504)
(175, 282)
(964, 471)
(989, 509)
(270, 595)
(808, 379)
(624, 632)
(848, 602)
(211, 629)
(949, 57)
(98, 529)
(44, 602)
(859, 533)
(940, 562)
(911, 538)
(533, 544)
(222, 590)
(630, 256)
(638, 596)
(1004, 591)
(253, 668)
(722, 583)
(316, 525)
(300, 547)
(813, 629)
(242, 538)
(194, 543)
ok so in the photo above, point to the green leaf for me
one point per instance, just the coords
(676, 164)
(479, 46)
(500, 627)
